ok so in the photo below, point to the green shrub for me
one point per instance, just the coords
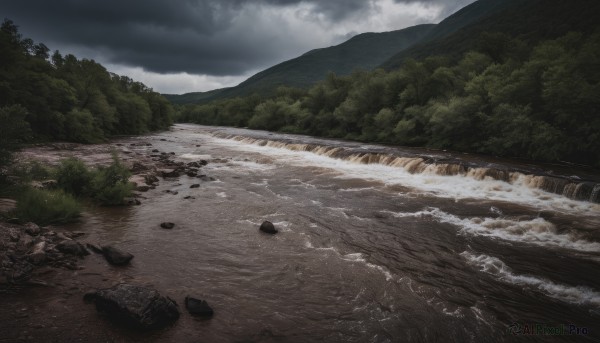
(111, 185)
(30, 171)
(73, 176)
(47, 206)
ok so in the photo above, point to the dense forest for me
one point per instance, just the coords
(55, 97)
(505, 97)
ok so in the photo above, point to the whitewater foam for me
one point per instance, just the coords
(580, 295)
(195, 156)
(536, 231)
(444, 181)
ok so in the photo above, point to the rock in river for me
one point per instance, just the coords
(268, 227)
(115, 256)
(198, 307)
(167, 225)
(134, 306)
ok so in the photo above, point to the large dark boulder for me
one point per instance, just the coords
(198, 307)
(134, 306)
(268, 227)
(115, 256)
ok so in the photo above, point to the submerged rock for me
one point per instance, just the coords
(115, 256)
(132, 201)
(196, 185)
(150, 179)
(137, 167)
(167, 225)
(134, 306)
(206, 178)
(142, 188)
(169, 173)
(198, 307)
(268, 227)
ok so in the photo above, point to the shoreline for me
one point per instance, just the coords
(43, 300)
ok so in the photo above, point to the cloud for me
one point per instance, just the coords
(209, 39)
(178, 83)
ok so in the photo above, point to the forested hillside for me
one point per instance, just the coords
(59, 97)
(364, 51)
(539, 102)
(530, 21)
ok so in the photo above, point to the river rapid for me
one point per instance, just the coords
(376, 244)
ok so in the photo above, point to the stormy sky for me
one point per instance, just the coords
(180, 46)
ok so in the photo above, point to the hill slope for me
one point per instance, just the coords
(529, 20)
(364, 51)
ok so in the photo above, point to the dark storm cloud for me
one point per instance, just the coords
(448, 6)
(196, 36)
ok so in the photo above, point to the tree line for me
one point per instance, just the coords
(503, 97)
(56, 97)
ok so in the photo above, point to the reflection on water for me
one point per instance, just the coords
(367, 251)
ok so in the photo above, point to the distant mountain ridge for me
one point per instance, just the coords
(530, 20)
(364, 51)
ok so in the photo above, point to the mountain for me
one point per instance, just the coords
(529, 20)
(363, 51)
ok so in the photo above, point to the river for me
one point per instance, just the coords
(376, 243)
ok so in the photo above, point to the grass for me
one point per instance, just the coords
(45, 207)
(105, 185)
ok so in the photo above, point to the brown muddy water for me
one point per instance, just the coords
(376, 244)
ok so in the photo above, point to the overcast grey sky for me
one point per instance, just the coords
(181, 46)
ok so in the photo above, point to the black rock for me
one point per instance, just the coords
(162, 139)
(32, 229)
(189, 197)
(170, 173)
(191, 173)
(132, 201)
(142, 188)
(138, 167)
(198, 307)
(150, 179)
(268, 227)
(72, 247)
(134, 306)
(115, 256)
(196, 185)
(167, 225)
(206, 178)
(203, 162)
